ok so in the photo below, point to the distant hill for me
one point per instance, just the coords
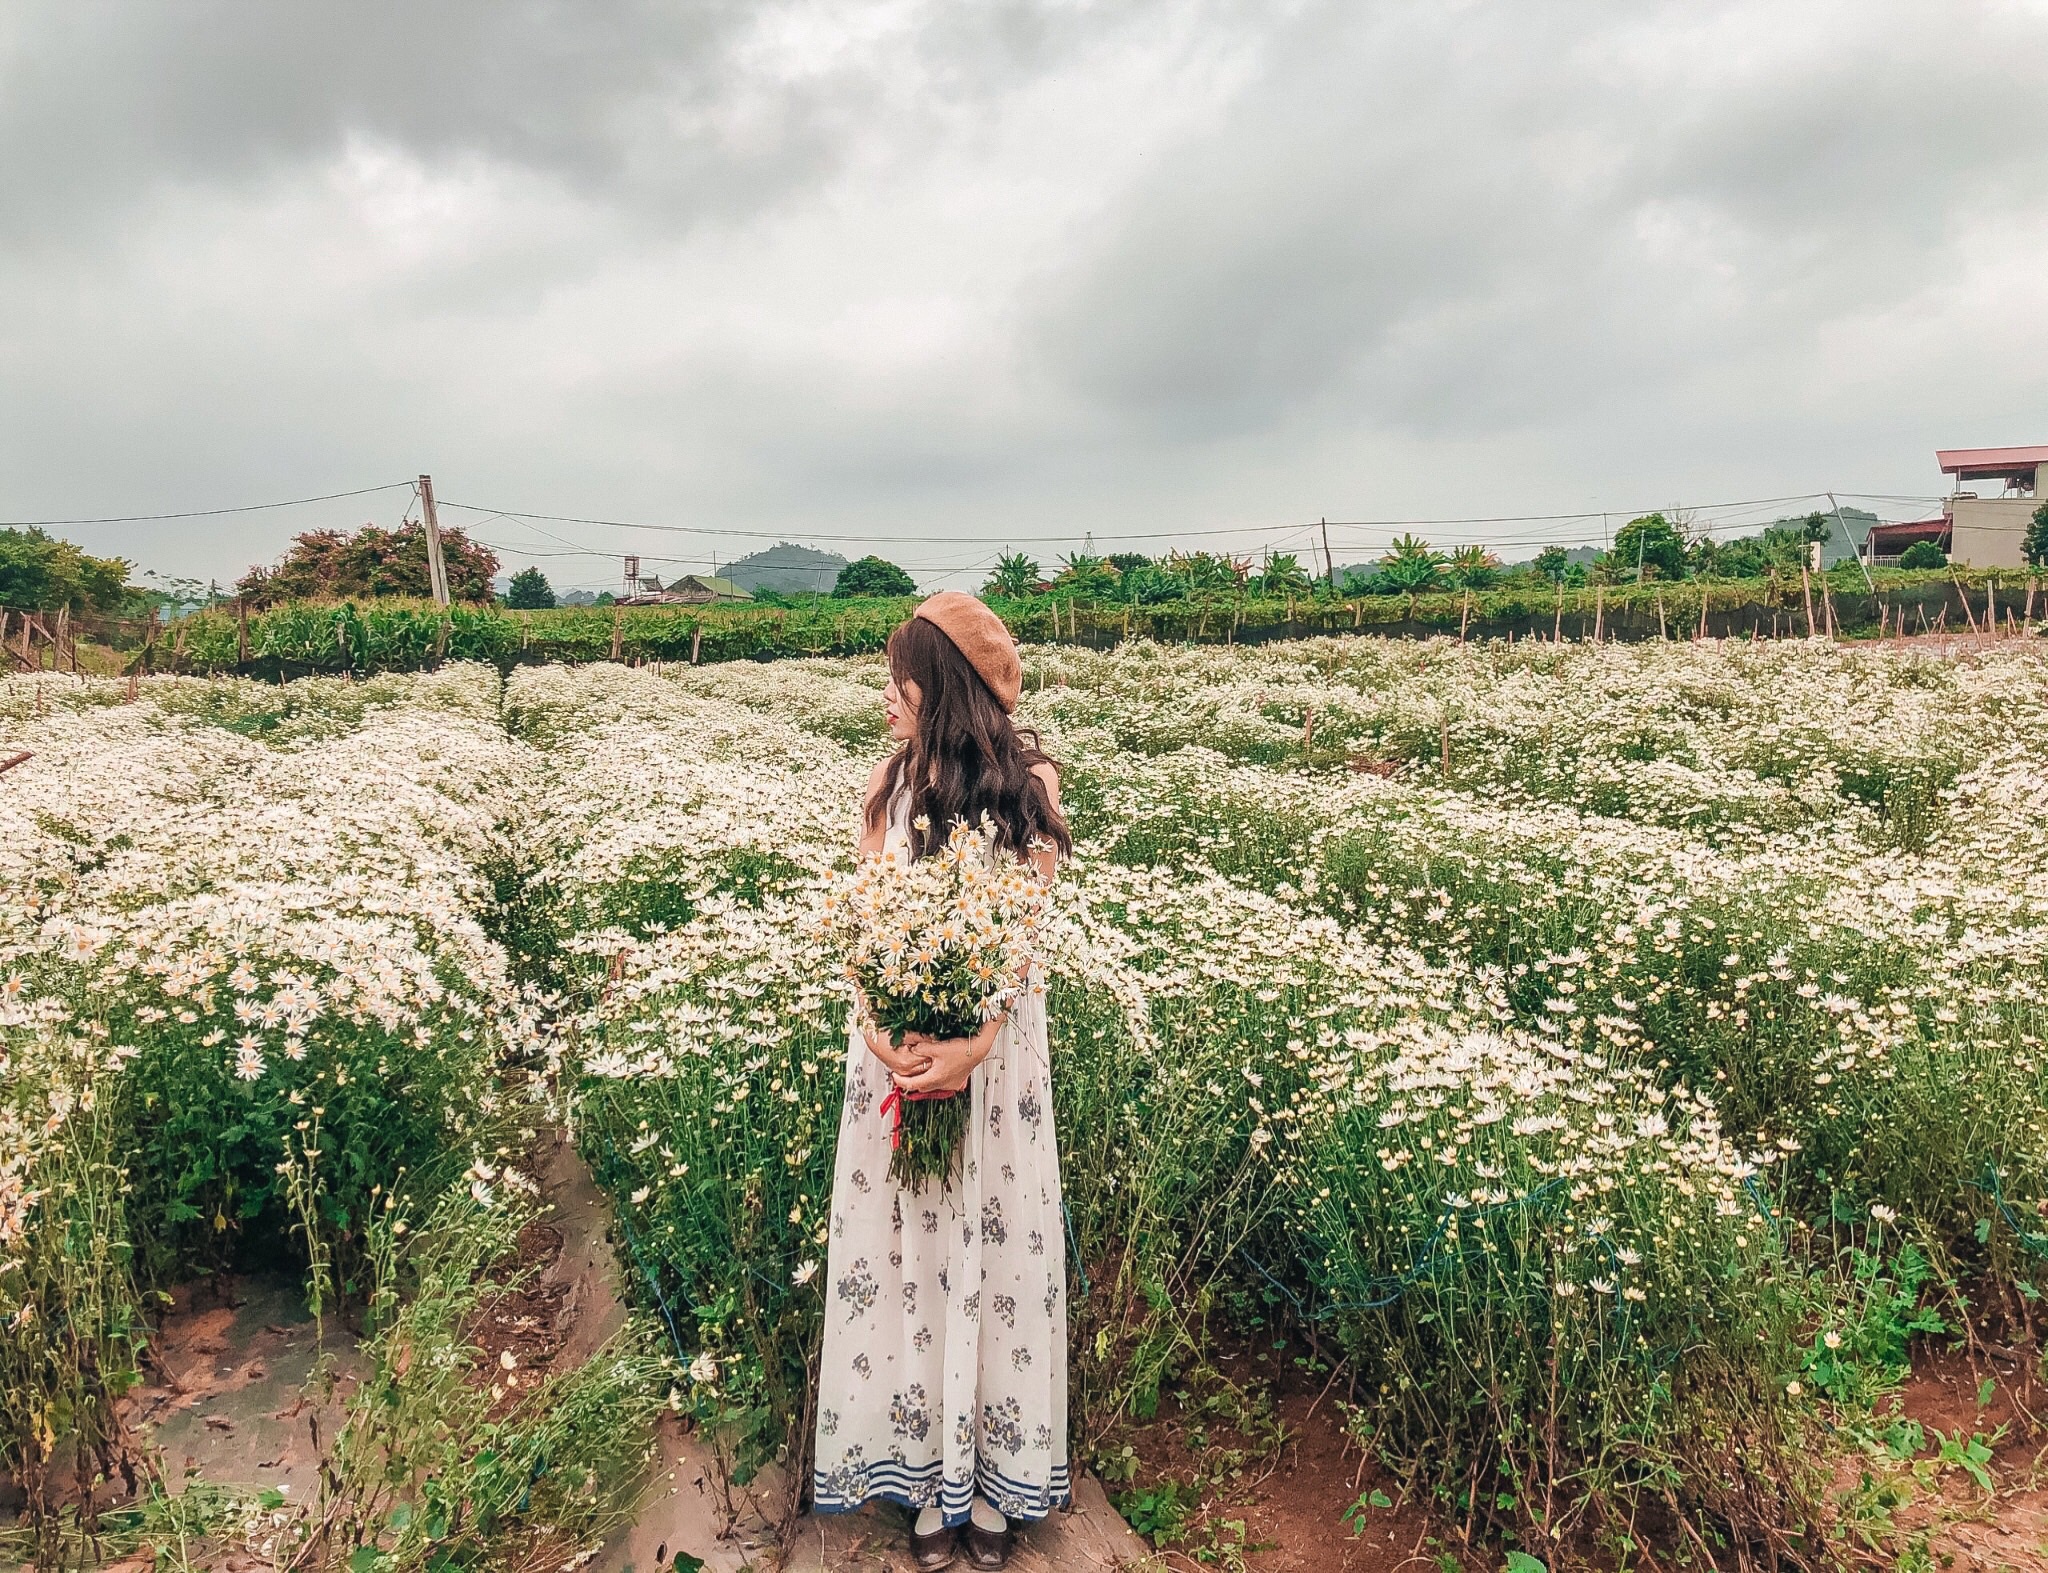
(787, 568)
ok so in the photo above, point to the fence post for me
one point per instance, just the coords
(1968, 610)
(1599, 610)
(1806, 588)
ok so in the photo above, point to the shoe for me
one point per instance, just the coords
(986, 1548)
(934, 1550)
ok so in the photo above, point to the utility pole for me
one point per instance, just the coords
(1843, 526)
(437, 568)
(1329, 562)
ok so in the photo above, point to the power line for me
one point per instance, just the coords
(1586, 515)
(202, 513)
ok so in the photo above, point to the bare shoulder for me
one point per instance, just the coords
(877, 779)
(1048, 775)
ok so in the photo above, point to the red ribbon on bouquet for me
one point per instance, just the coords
(893, 1105)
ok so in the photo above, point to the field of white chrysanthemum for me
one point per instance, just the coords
(1543, 1031)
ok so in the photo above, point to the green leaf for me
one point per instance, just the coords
(401, 1515)
(271, 1500)
(1986, 1390)
(364, 1559)
(1522, 1562)
(685, 1563)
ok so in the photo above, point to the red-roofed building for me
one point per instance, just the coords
(1887, 543)
(1986, 532)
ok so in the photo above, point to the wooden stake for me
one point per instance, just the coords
(241, 632)
(1599, 610)
(1663, 632)
(1465, 617)
(1968, 610)
(1991, 605)
(696, 642)
(1806, 586)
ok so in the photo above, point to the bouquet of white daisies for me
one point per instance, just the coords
(940, 946)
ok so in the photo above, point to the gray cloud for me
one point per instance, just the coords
(974, 275)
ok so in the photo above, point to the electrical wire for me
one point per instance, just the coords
(203, 513)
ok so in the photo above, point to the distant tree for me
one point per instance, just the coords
(1647, 548)
(2034, 545)
(1208, 571)
(1148, 584)
(1815, 529)
(1354, 580)
(873, 576)
(40, 573)
(1752, 556)
(1551, 563)
(1015, 575)
(529, 591)
(1409, 565)
(332, 565)
(605, 598)
(1283, 575)
(1086, 574)
(1923, 554)
(1124, 562)
(1473, 568)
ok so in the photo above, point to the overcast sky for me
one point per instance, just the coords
(932, 278)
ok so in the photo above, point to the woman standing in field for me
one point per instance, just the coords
(943, 1383)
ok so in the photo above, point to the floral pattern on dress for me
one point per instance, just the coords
(857, 1289)
(909, 1414)
(1002, 1425)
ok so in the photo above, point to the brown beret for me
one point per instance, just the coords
(981, 636)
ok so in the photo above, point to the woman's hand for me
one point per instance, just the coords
(902, 1061)
(948, 1061)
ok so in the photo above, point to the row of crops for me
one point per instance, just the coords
(295, 639)
(1608, 1053)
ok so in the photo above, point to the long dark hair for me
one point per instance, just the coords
(968, 757)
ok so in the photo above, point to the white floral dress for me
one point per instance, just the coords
(945, 1362)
